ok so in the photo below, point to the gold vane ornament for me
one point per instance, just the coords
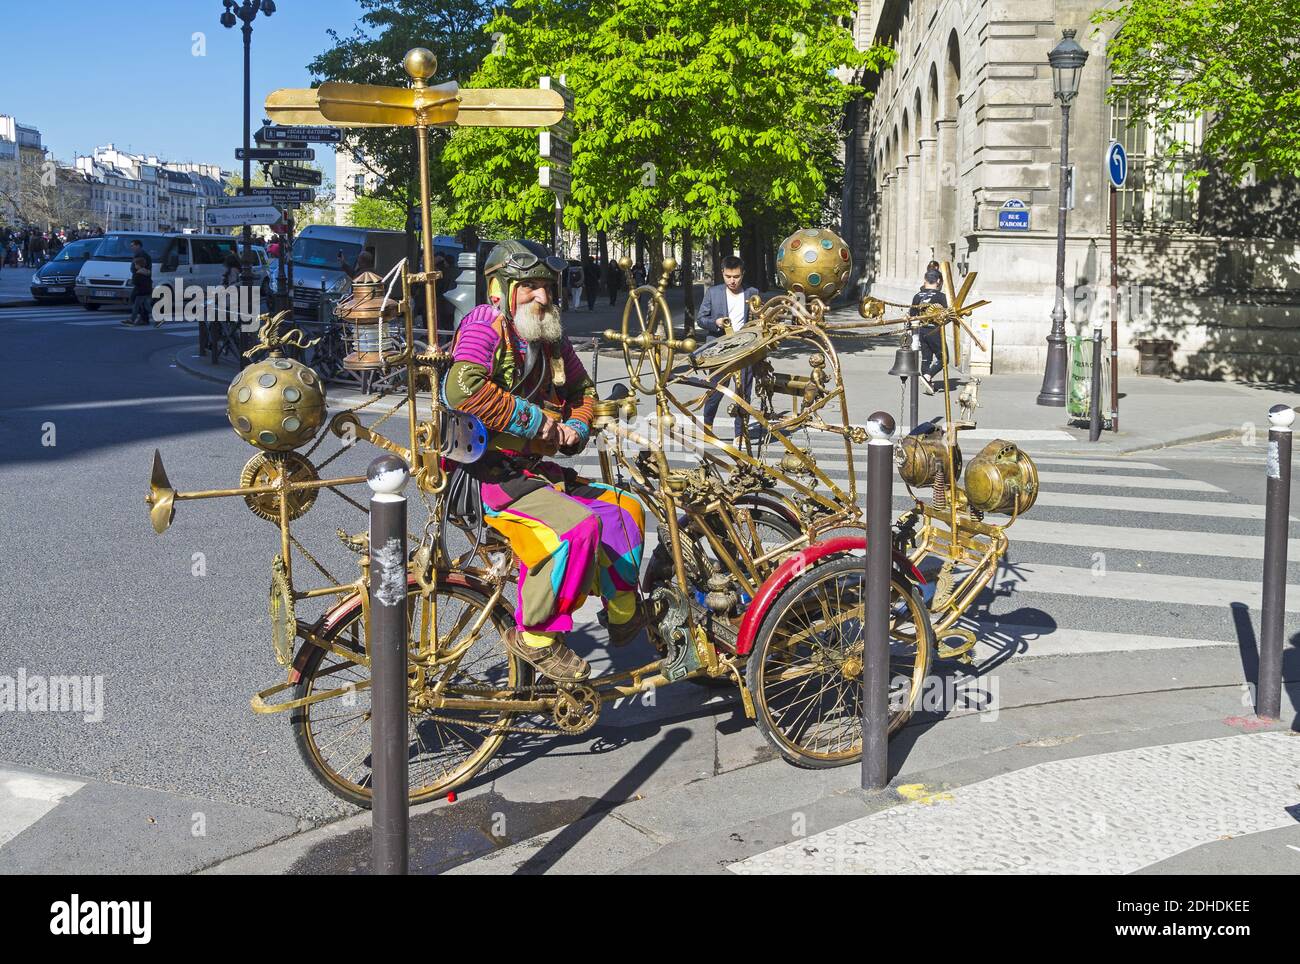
(814, 262)
(266, 468)
(284, 622)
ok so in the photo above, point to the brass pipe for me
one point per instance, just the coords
(266, 489)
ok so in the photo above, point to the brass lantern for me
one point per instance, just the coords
(368, 328)
(1002, 478)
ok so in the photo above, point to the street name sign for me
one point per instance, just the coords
(1013, 216)
(312, 134)
(556, 149)
(1116, 164)
(275, 154)
(284, 196)
(237, 215)
(554, 179)
(294, 175)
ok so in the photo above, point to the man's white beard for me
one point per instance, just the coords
(536, 322)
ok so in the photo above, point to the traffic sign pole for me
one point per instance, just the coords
(1117, 172)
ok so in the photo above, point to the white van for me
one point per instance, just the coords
(194, 259)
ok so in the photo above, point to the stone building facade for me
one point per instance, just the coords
(965, 121)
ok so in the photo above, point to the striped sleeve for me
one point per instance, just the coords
(469, 387)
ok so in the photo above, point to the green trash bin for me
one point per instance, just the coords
(1079, 400)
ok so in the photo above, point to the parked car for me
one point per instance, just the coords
(193, 259)
(56, 279)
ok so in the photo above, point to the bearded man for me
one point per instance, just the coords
(513, 368)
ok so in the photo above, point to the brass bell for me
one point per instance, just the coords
(907, 363)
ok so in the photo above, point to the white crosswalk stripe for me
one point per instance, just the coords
(27, 797)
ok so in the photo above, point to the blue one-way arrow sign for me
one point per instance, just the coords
(1116, 164)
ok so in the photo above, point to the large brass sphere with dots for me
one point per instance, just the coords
(814, 262)
(277, 404)
(420, 63)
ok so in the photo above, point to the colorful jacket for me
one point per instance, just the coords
(487, 361)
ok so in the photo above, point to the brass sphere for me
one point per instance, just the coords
(670, 265)
(814, 262)
(625, 262)
(420, 63)
(277, 404)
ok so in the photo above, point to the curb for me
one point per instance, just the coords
(25, 303)
(184, 363)
(1190, 440)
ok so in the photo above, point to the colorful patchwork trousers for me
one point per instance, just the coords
(573, 538)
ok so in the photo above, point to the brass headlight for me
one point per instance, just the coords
(1002, 478)
(923, 458)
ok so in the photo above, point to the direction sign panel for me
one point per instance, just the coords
(284, 196)
(275, 154)
(294, 175)
(237, 201)
(229, 217)
(1116, 164)
(555, 179)
(556, 149)
(1013, 216)
(310, 134)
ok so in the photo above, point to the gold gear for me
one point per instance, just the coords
(576, 709)
(265, 468)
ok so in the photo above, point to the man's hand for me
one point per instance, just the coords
(550, 432)
(570, 441)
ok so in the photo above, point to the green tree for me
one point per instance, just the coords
(689, 115)
(372, 54)
(374, 212)
(1232, 62)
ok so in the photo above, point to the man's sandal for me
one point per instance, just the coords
(555, 661)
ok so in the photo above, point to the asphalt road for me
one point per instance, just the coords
(176, 624)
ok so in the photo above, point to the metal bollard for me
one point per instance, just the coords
(875, 658)
(1094, 402)
(914, 384)
(1277, 502)
(387, 477)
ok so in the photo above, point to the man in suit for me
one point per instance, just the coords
(724, 310)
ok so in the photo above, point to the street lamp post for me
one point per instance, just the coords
(1067, 59)
(247, 12)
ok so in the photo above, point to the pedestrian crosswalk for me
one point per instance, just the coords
(1115, 555)
(75, 316)
(27, 797)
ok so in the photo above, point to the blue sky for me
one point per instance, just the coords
(91, 72)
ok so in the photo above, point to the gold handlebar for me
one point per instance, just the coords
(646, 340)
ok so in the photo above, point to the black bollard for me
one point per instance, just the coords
(387, 477)
(1277, 502)
(875, 657)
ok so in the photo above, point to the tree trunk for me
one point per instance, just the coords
(688, 281)
(715, 259)
(583, 245)
(602, 244)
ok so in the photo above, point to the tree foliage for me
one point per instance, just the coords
(688, 114)
(1231, 61)
(372, 54)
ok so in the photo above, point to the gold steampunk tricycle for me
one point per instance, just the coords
(757, 579)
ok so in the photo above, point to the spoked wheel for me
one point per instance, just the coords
(805, 672)
(647, 314)
(446, 747)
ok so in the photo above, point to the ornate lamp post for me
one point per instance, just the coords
(1067, 59)
(233, 13)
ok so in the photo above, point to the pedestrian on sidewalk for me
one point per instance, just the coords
(577, 278)
(141, 292)
(591, 281)
(613, 280)
(931, 335)
(723, 311)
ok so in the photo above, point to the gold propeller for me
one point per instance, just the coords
(358, 105)
(161, 497)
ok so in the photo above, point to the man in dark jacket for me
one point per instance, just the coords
(725, 309)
